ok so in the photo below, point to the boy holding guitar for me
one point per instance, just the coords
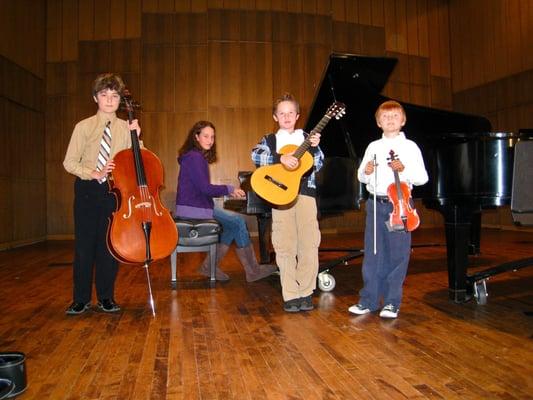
(386, 258)
(295, 232)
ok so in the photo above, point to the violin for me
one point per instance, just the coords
(403, 217)
(142, 229)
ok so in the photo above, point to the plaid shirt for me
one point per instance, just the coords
(263, 155)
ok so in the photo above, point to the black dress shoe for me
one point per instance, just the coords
(77, 308)
(108, 305)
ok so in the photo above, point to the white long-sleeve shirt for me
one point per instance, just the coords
(406, 151)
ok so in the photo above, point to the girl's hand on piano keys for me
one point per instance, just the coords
(238, 194)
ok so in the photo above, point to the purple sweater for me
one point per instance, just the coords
(194, 195)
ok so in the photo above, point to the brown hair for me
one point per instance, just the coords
(108, 81)
(285, 97)
(191, 142)
(388, 106)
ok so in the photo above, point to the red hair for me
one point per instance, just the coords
(388, 106)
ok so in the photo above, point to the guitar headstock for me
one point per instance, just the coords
(336, 110)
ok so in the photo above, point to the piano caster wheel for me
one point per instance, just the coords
(480, 292)
(326, 282)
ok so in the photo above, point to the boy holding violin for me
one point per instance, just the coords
(94, 142)
(387, 257)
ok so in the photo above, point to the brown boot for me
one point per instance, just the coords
(253, 270)
(220, 275)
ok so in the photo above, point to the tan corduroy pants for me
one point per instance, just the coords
(296, 237)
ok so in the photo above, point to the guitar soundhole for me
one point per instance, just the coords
(275, 182)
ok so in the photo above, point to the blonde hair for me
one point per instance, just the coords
(285, 97)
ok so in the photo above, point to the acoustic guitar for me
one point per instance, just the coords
(279, 185)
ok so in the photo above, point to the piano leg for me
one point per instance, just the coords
(263, 225)
(458, 226)
(457, 235)
(474, 247)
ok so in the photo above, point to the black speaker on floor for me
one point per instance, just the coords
(522, 195)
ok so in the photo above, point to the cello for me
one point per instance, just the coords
(141, 229)
(403, 217)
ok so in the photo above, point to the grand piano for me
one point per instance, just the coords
(470, 167)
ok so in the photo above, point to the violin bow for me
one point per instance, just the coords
(375, 184)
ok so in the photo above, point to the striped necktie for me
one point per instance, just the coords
(105, 150)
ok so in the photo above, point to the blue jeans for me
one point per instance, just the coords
(383, 272)
(233, 228)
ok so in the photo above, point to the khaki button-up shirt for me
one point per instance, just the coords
(84, 146)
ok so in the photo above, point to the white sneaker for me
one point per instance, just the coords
(389, 311)
(358, 309)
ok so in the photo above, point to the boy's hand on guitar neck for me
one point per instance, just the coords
(290, 162)
(314, 138)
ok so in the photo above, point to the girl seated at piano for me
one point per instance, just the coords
(194, 199)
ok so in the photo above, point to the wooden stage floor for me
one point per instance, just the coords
(234, 341)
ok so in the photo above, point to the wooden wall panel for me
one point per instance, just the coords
(226, 60)
(190, 29)
(191, 78)
(441, 92)
(158, 83)
(23, 31)
(6, 213)
(438, 37)
(94, 57)
(492, 71)
(288, 64)
(499, 44)
(158, 29)
(347, 38)
(256, 75)
(118, 23)
(86, 21)
(133, 19)
(69, 23)
(256, 26)
(102, 20)
(372, 41)
(504, 101)
(29, 227)
(285, 28)
(125, 56)
(5, 141)
(22, 91)
(224, 25)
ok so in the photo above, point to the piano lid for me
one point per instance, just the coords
(357, 81)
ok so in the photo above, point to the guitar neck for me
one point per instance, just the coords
(307, 142)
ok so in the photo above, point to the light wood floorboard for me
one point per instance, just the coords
(233, 340)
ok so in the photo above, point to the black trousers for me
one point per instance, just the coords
(93, 205)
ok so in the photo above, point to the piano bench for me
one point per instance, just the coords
(196, 235)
